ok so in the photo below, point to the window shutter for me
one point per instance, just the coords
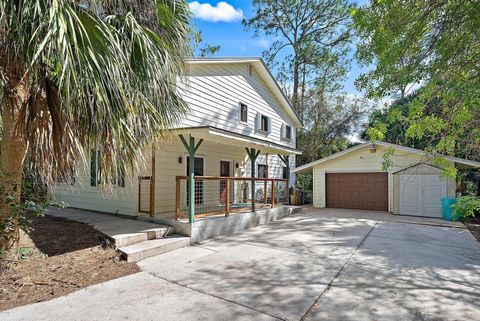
(269, 124)
(282, 131)
(258, 120)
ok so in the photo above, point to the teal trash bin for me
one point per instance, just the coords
(448, 213)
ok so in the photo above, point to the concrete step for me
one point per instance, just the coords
(158, 232)
(149, 248)
(122, 240)
(126, 239)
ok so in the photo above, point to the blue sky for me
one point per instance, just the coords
(221, 24)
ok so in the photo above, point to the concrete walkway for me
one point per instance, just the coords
(317, 265)
(114, 226)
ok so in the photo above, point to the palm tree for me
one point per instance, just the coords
(82, 75)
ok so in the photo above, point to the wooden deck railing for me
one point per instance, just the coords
(217, 195)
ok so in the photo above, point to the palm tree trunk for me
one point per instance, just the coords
(12, 155)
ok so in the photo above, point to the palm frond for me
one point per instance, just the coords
(100, 77)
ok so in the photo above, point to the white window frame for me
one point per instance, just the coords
(284, 132)
(260, 122)
(240, 113)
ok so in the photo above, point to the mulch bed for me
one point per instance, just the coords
(473, 225)
(58, 257)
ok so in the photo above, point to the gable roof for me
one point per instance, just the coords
(416, 165)
(264, 73)
(305, 167)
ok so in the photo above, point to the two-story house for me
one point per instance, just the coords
(240, 123)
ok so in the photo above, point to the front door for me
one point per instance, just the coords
(224, 172)
(197, 171)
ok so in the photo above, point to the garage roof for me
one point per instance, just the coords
(307, 168)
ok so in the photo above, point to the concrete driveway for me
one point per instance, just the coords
(317, 265)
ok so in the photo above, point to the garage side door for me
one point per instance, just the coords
(368, 191)
(421, 195)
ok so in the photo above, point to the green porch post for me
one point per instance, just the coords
(286, 161)
(191, 149)
(252, 155)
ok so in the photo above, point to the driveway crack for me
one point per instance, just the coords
(329, 285)
(217, 297)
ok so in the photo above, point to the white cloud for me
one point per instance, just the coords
(222, 11)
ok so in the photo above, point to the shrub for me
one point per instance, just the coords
(466, 206)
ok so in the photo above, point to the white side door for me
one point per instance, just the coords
(421, 195)
(410, 195)
(435, 190)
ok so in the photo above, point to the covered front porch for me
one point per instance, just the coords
(224, 175)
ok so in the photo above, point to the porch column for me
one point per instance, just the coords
(252, 155)
(191, 149)
(286, 160)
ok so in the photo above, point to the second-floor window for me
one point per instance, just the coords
(264, 123)
(243, 113)
(288, 132)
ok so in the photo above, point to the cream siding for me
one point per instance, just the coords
(120, 200)
(361, 160)
(168, 167)
(214, 94)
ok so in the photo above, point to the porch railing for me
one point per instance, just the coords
(217, 195)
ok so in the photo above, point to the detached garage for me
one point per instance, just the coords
(354, 179)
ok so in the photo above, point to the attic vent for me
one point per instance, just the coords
(250, 70)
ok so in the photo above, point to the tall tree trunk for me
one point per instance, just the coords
(296, 82)
(12, 153)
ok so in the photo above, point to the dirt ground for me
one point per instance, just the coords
(57, 257)
(473, 224)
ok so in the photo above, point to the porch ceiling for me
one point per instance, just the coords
(222, 136)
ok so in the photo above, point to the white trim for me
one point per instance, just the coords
(217, 135)
(384, 144)
(260, 123)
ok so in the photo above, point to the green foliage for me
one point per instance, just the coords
(387, 158)
(467, 206)
(101, 75)
(376, 132)
(419, 45)
(328, 122)
(305, 181)
(33, 203)
(313, 38)
(203, 51)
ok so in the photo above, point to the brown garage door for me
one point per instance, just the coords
(368, 191)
